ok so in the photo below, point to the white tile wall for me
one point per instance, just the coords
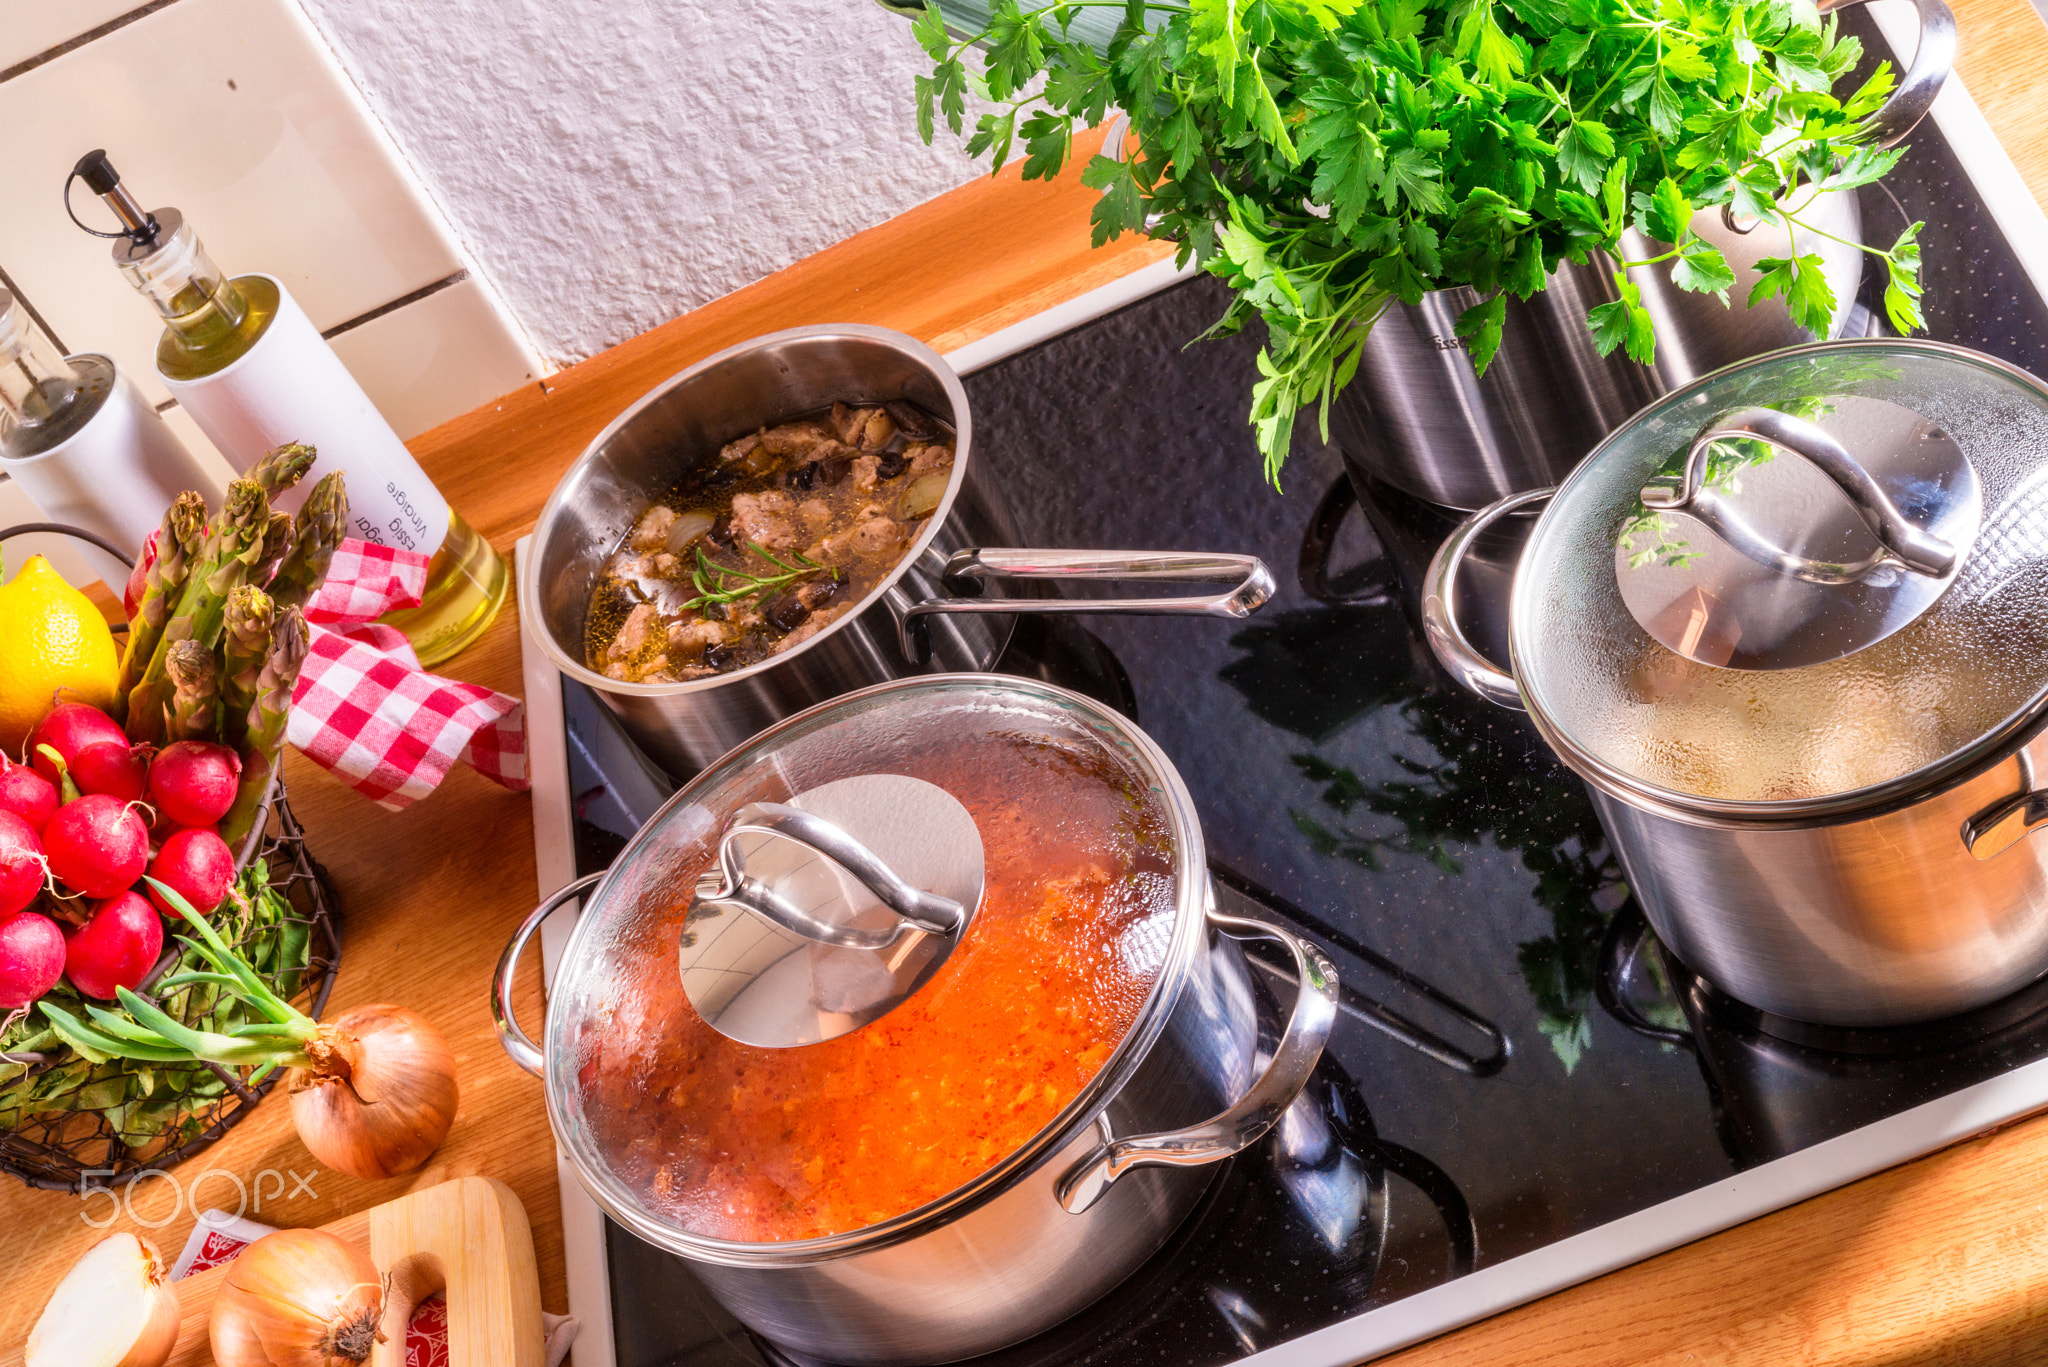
(236, 112)
(29, 27)
(440, 356)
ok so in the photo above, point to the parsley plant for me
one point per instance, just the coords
(1329, 157)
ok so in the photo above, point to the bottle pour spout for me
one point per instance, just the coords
(138, 225)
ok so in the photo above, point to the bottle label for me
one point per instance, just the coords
(290, 386)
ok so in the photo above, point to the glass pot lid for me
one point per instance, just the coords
(1805, 576)
(758, 1039)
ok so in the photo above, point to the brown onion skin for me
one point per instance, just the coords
(297, 1298)
(381, 1095)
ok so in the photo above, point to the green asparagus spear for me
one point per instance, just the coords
(195, 693)
(264, 740)
(322, 522)
(233, 541)
(282, 467)
(243, 649)
(277, 543)
(176, 544)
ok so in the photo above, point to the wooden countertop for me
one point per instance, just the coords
(1942, 1260)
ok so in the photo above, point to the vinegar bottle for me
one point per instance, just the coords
(243, 359)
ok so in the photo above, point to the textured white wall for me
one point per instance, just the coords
(614, 163)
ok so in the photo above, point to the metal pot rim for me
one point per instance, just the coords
(1875, 799)
(1191, 898)
(543, 528)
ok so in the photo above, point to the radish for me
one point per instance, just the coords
(118, 770)
(116, 948)
(96, 845)
(21, 864)
(193, 783)
(69, 728)
(195, 864)
(26, 793)
(31, 958)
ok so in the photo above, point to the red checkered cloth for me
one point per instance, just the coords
(365, 710)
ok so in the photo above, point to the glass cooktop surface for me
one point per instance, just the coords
(1517, 1062)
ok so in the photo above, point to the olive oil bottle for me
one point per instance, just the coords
(243, 359)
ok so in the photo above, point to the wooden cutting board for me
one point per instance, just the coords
(467, 1239)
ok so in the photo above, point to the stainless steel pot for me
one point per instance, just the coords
(1051, 1227)
(1419, 417)
(936, 612)
(1910, 896)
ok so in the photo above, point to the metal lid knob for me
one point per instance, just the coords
(824, 913)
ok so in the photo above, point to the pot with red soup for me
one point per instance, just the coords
(912, 1024)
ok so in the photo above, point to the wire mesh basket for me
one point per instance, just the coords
(70, 1124)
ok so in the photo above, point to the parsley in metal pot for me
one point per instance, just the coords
(1329, 157)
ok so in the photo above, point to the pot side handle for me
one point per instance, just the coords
(1933, 58)
(1251, 585)
(1246, 1122)
(516, 1042)
(1447, 639)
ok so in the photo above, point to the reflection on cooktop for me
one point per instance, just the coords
(1778, 1085)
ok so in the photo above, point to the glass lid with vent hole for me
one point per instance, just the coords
(1819, 573)
(869, 956)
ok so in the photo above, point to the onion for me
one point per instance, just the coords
(924, 494)
(379, 1095)
(687, 528)
(297, 1298)
(114, 1308)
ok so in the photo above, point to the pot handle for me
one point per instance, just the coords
(516, 1042)
(1447, 639)
(1933, 57)
(2008, 821)
(1251, 585)
(1245, 1123)
(1902, 541)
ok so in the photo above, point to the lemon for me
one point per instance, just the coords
(51, 638)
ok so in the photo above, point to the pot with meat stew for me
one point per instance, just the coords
(792, 518)
(912, 1024)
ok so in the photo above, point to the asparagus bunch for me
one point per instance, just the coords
(218, 636)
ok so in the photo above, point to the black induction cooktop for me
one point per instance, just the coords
(1518, 1063)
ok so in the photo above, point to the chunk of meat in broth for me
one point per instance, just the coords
(650, 533)
(767, 518)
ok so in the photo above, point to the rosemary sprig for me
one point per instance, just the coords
(736, 584)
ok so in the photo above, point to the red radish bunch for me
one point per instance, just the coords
(70, 728)
(22, 869)
(193, 783)
(26, 793)
(115, 948)
(114, 769)
(31, 958)
(75, 826)
(195, 864)
(96, 845)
